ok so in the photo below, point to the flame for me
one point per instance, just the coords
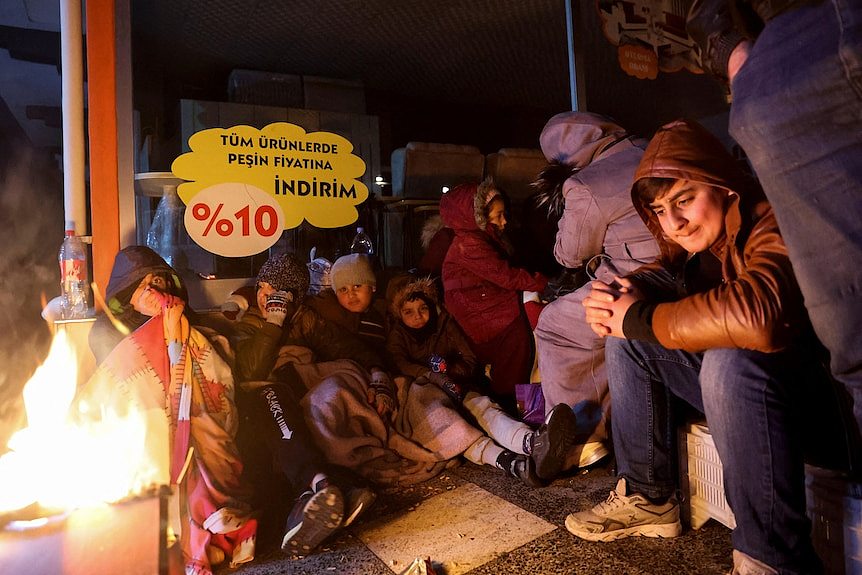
(71, 458)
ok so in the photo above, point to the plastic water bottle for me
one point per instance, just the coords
(73, 275)
(361, 243)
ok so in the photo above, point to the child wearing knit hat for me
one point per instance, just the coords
(270, 411)
(351, 304)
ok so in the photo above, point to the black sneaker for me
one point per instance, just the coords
(315, 515)
(357, 502)
(552, 441)
(520, 467)
(524, 469)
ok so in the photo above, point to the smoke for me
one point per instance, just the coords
(31, 211)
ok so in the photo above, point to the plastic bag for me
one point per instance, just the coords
(531, 402)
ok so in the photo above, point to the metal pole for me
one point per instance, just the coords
(570, 36)
(72, 63)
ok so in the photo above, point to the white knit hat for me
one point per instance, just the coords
(352, 269)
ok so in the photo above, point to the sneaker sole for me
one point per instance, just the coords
(550, 463)
(592, 457)
(321, 516)
(663, 531)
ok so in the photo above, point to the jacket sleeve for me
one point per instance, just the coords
(761, 309)
(581, 229)
(483, 260)
(399, 350)
(256, 342)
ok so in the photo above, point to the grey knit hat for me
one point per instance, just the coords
(352, 269)
(285, 272)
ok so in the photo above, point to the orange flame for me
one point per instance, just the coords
(72, 456)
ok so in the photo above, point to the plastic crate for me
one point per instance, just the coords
(703, 479)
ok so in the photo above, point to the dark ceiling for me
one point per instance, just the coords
(486, 52)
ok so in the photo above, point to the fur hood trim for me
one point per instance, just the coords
(423, 285)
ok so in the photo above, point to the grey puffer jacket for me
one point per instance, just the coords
(599, 217)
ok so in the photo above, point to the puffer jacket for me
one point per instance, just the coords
(599, 217)
(480, 287)
(257, 343)
(758, 305)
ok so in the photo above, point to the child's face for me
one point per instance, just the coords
(415, 313)
(692, 214)
(497, 214)
(356, 298)
(147, 298)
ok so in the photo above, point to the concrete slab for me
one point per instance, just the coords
(460, 529)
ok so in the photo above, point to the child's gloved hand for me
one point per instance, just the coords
(381, 394)
(447, 384)
(276, 307)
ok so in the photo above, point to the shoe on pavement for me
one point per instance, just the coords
(744, 564)
(626, 515)
(586, 454)
(357, 501)
(520, 467)
(551, 442)
(315, 516)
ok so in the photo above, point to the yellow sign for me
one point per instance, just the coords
(311, 176)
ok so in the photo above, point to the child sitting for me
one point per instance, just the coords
(427, 344)
(350, 304)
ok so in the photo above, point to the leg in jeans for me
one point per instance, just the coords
(749, 400)
(644, 431)
(797, 113)
(752, 405)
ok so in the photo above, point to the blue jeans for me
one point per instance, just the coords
(797, 113)
(752, 403)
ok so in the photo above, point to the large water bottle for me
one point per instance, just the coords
(74, 286)
(361, 243)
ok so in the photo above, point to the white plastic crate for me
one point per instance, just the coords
(704, 479)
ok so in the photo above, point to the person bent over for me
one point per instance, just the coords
(718, 321)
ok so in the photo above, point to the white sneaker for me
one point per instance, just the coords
(623, 515)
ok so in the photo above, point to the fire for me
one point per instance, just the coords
(79, 454)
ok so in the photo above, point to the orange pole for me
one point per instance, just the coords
(102, 124)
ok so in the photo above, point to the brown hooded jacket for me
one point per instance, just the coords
(758, 305)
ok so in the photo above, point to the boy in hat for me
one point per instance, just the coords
(271, 398)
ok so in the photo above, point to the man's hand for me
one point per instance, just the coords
(607, 304)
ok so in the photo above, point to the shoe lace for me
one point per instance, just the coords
(612, 503)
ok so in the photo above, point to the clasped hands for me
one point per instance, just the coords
(607, 304)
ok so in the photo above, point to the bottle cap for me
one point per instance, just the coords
(360, 230)
(70, 227)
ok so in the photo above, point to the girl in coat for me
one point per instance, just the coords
(482, 289)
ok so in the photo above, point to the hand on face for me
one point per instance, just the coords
(150, 298)
(606, 306)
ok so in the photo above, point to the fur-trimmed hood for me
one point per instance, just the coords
(424, 286)
(463, 208)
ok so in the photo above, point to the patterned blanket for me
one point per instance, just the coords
(196, 395)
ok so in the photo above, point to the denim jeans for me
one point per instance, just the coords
(797, 113)
(752, 402)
